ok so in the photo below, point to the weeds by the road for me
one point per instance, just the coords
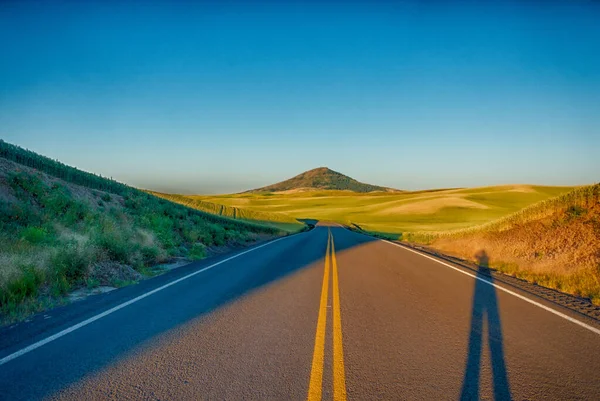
(56, 236)
(555, 243)
(279, 220)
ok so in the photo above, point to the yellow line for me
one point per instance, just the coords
(316, 373)
(339, 378)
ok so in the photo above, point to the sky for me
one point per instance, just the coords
(223, 97)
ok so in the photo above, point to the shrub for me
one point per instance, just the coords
(197, 252)
(150, 254)
(20, 215)
(106, 197)
(75, 213)
(25, 185)
(218, 234)
(71, 262)
(237, 236)
(58, 201)
(113, 244)
(575, 211)
(24, 286)
(134, 202)
(182, 251)
(35, 235)
(59, 285)
(190, 234)
(92, 282)
(205, 237)
(162, 226)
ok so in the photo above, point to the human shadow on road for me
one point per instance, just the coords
(485, 310)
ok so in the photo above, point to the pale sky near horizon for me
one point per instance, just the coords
(224, 97)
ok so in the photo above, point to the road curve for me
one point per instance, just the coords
(326, 314)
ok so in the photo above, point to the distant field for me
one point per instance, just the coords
(435, 210)
(280, 221)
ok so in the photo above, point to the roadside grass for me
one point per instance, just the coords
(57, 235)
(117, 283)
(280, 221)
(554, 243)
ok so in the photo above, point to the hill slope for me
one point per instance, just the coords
(278, 220)
(62, 228)
(319, 179)
(555, 243)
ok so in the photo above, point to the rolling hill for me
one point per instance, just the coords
(321, 178)
(278, 220)
(395, 212)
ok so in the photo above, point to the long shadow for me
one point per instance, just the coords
(485, 310)
(59, 364)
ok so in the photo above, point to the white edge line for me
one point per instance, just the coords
(557, 313)
(124, 304)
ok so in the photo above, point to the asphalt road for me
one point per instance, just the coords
(305, 318)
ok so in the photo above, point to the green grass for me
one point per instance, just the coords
(437, 210)
(280, 221)
(573, 202)
(53, 234)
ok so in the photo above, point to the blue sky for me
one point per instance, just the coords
(210, 98)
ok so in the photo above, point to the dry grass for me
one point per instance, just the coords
(555, 244)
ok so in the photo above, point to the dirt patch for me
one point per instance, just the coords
(293, 191)
(522, 188)
(83, 293)
(107, 273)
(174, 264)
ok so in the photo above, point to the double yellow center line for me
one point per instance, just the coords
(316, 374)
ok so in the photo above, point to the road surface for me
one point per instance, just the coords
(326, 314)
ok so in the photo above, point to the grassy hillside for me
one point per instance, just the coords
(437, 210)
(319, 179)
(555, 243)
(278, 220)
(62, 228)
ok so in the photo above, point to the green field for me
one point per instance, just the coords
(434, 210)
(279, 221)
